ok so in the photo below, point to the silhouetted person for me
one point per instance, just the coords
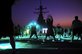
(23, 31)
(70, 32)
(17, 30)
(33, 32)
(59, 30)
(50, 31)
(6, 24)
(65, 31)
(76, 27)
(50, 21)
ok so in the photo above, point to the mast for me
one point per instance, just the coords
(41, 20)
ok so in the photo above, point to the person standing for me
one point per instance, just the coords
(77, 27)
(50, 31)
(33, 32)
(6, 24)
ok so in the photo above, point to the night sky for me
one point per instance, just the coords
(62, 11)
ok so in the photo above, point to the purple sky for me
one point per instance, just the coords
(62, 11)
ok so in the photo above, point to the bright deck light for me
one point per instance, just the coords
(44, 30)
(33, 23)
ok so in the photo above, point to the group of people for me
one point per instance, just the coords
(76, 29)
(6, 29)
(49, 25)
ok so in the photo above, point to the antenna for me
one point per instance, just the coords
(40, 2)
